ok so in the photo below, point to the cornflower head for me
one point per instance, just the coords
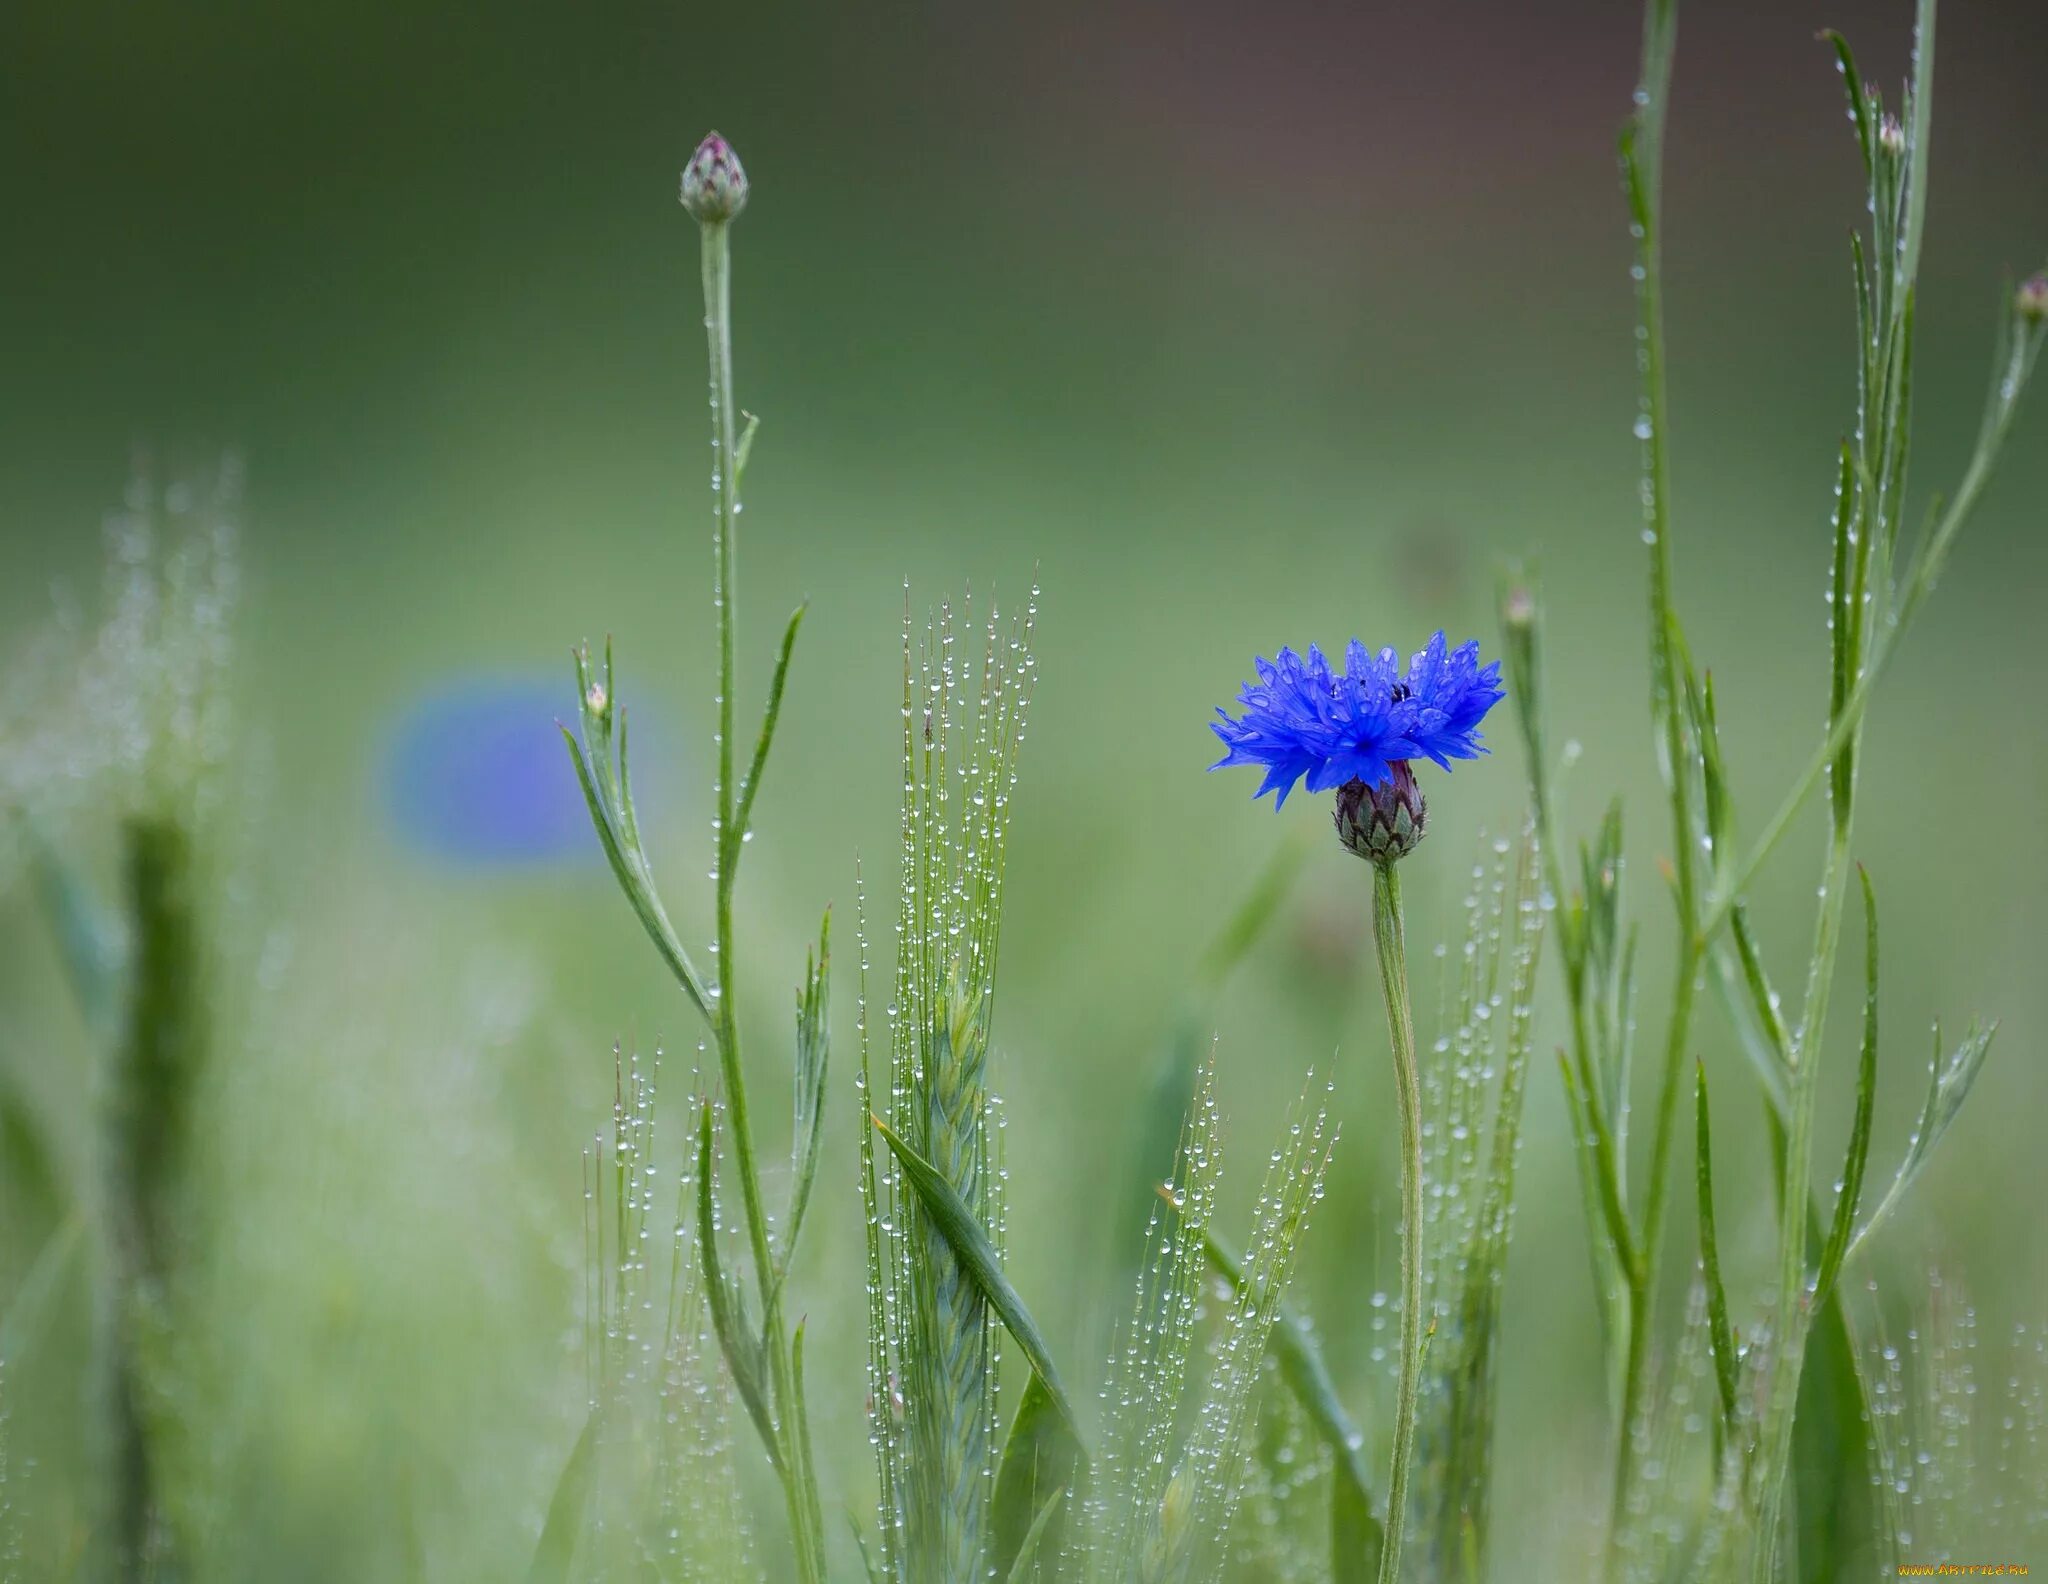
(1355, 731)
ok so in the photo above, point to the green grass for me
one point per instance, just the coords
(292, 1276)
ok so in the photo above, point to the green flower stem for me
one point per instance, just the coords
(794, 1458)
(1390, 940)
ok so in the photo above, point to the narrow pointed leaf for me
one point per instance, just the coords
(813, 1059)
(1041, 1462)
(555, 1554)
(1859, 107)
(1356, 1536)
(1720, 1332)
(970, 1244)
(1849, 1195)
(30, 1306)
(1949, 1084)
(744, 449)
(1026, 1562)
(736, 1338)
(800, 1440)
(627, 869)
(742, 820)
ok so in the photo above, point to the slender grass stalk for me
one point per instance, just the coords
(1391, 945)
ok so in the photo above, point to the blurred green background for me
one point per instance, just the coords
(1235, 327)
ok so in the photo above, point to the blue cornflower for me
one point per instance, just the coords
(1354, 731)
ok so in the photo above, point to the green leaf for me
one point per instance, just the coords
(1041, 1461)
(556, 1552)
(1859, 107)
(629, 869)
(1356, 1537)
(1753, 1007)
(608, 793)
(1607, 1260)
(800, 1440)
(1919, 113)
(1949, 1084)
(1026, 1563)
(1833, 1503)
(970, 1244)
(743, 815)
(1720, 1332)
(30, 1306)
(736, 1338)
(1849, 1195)
(743, 450)
(813, 1052)
(1717, 812)
(1834, 1500)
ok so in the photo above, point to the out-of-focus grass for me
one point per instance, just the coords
(1199, 466)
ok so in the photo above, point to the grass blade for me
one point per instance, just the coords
(28, 1310)
(970, 1243)
(555, 1553)
(1720, 1332)
(1356, 1537)
(743, 816)
(630, 874)
(1041, 1461)
(813, 1059)
(1034, 1539)
(728, 1308)
(800, 1433)
(1849, 1195)
(1948, 1085)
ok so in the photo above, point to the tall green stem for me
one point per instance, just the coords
(795, 1460)
(725, 500)
(1388, 937)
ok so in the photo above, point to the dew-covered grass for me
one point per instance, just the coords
(367, 1212)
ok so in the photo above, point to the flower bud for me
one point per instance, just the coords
(1891, 136)
(714, 182)
(1384, 820)
(2030, 302)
